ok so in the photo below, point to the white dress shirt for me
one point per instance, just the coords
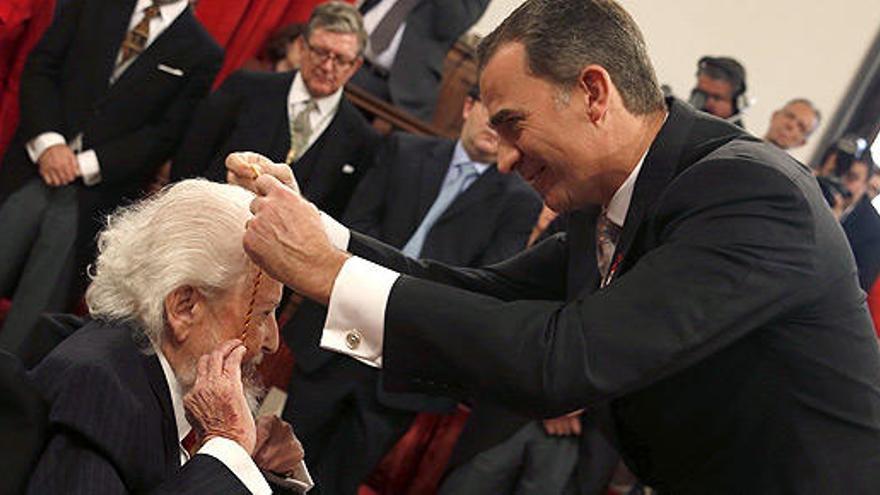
(355, 323)
(371, 20)
(320, 118)
(89, 166)
(227, 451)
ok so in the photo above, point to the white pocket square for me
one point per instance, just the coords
(170, 70)
(347, 169)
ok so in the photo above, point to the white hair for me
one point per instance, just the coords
(190, 233)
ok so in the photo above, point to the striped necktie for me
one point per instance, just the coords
(607, 235)
(300, 131)
(136, 40)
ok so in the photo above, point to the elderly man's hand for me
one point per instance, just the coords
(277, 448)
(286, 238)
(58, 165)
(242, 168)
(216, 405)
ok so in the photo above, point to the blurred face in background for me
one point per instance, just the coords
(479, 140)
(328, 60)
(791, 125)
(719, 95)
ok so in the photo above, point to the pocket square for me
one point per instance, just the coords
(170, 70)
(347, 169)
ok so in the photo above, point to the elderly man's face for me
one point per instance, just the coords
(328, 60)
(791, 125)
(542, 135)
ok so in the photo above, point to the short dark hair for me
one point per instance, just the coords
(726, 69)
(561, 37)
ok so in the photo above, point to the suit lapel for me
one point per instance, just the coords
(660, 166)
(173, 36)
(583, 271)
(433, 171)
(486, 185)
(159, 387)
(113, 27)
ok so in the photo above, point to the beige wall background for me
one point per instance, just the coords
(789, 48)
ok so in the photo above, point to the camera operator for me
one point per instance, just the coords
(843, 177)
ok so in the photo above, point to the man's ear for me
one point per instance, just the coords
(184, 308)
(467, 107)
(595, 85)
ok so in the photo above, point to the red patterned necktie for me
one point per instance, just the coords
(136, 40)
(190, 443)
(607, 234)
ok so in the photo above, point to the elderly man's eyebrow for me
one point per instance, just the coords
(505, 116)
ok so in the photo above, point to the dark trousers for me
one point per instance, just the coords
(344, 429)
(530, 462)
(37, 244)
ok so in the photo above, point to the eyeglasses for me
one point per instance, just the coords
(321, 55)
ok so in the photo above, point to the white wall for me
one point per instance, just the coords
(790, 48)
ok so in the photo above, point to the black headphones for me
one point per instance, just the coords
(730, 70)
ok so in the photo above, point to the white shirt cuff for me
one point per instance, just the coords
(36, 146)
(355, 322)
(234, 457)
(89, 168)
(338, 234)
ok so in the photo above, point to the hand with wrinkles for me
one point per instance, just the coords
(216, 405)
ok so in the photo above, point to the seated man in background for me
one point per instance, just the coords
(299, 118)
(182, 318)
(720, 88)
(791, 125)
(409, 40)
(434, 198)
(105, 97)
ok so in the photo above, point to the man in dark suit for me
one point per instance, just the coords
(703, 305)
(410, 199)
(301, 118)
(409, 40)
(165, 359)
(105, 97)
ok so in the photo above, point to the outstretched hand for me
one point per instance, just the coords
(243, 167)
(287, 239)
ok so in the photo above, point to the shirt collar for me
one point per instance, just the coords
(183, 426)
(460, 156)
(619, 204)
(299, 93)
(168, 12)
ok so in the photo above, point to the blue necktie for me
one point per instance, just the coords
(460, 177)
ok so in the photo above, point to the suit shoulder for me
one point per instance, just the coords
(203, 37)
(251, 82)
(414, 145)
(92, 369)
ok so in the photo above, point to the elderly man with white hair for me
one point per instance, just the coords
(155, 395)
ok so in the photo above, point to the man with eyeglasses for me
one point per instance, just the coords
(299, 118)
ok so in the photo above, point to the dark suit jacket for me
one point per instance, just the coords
(249, 113)
(487, 223)
(22, 424)
(862, 228)
(133, 125)
(112, 427)
(733, 351)
(432, 27)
